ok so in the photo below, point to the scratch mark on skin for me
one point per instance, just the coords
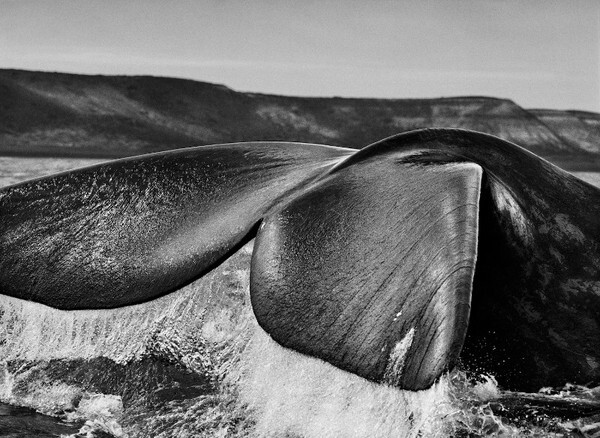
(395, 366)
(507, 204)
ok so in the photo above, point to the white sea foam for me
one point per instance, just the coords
(31, 331)
(290, 393)
(101, 413)
(43, 396)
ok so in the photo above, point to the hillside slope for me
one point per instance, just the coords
(578, 129)
(56, 113)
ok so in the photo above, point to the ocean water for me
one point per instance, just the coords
(195, 364)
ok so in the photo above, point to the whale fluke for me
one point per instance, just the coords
(394, 262)
(372, 269)
(131, 230)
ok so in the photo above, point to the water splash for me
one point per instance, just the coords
(101, 413)
(296, 395)
(31, 331)
(51, 358)
(247, 385)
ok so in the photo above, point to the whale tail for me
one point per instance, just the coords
(387, 262)
(382, 255)
(131, 230)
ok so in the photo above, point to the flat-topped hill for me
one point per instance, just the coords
(68, 114)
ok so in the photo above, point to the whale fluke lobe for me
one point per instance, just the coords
(131, 230)
(372, 269)
(394, 262)
(535, 310)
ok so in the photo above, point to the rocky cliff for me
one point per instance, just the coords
(56, 113)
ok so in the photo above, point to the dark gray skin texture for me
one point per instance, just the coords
(131, 230)
(395, 262)
(535, 312)
(377, 253)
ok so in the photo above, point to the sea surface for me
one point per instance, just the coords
(195, 364)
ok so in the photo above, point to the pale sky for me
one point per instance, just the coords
(540, 53)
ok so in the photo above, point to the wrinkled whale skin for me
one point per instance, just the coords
(465, 249)
(535, 312)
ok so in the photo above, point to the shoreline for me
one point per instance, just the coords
(578, 163)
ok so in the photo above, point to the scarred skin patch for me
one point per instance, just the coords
(393, 371)
(568, 229)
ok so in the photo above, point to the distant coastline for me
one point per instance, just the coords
(46, 114)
